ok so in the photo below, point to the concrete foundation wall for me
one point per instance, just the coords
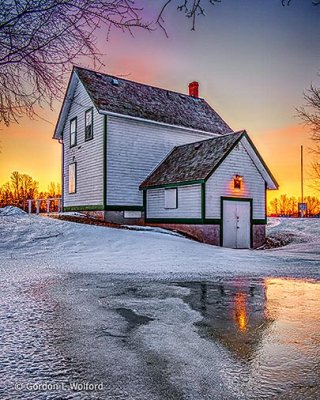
(206, 233)
(94, 214)
(117, 217)
(258, 235)
(209, 234)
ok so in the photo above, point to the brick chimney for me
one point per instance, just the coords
(194, 89)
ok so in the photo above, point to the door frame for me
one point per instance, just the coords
(247, 199)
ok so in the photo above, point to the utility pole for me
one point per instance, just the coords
(302, 174)
(302, 204)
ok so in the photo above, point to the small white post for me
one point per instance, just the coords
(48, 206)
(59, 205)
(38, 206)
(29, 206)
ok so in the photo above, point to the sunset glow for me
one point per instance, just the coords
(253, 74)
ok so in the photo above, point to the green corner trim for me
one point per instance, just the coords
(104, 184)
(203, 202)
(83, 208)
(145, 203)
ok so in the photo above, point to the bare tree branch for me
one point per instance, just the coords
(39, 39)
(310, 116)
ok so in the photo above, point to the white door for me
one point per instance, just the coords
(236, 224)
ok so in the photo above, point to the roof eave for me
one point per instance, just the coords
(114, 114)
(58, 131)
(272, 183)
(172, 184)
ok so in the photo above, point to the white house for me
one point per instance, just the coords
(137, 154)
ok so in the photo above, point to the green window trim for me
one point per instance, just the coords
(86, 136)
(104, 183)
(75, 132)
(176, 198)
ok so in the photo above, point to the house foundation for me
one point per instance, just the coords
(258, 235)
(204, 233)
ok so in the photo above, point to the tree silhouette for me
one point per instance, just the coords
(310, 115)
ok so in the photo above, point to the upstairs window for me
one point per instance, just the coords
(171, 198)
(72, 178)
(73, 132)
(89, 124)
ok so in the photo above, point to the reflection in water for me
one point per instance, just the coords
(240, 311)
(272, 328)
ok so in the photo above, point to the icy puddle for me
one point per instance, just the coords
(271, 328)
(140, 339)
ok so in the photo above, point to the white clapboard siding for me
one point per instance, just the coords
(220, 183)
(88, 155)
(134, 149)
(189, 203)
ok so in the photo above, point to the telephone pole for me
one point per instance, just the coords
(302, 174)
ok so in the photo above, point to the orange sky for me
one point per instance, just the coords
(252, 62)
(28, 148)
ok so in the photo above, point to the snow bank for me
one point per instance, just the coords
(11, 211)
(74, 247)
(152, 229)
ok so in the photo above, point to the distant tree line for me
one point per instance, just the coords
(22, 187)
(288, 206)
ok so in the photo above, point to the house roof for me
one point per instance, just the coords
(192, 161)
(195, 162)
(117, 95)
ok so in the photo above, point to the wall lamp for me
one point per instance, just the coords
(237, 180)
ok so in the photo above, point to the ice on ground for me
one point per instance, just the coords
(11, 211)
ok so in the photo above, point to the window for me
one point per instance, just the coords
(89, 124)
(72, 178)
(73, 132)
(171, 198)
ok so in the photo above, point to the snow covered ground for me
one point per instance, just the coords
(152, 315)
(72, 247)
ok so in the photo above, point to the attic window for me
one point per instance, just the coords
(197, 146)
(115, 82)
(89, 124)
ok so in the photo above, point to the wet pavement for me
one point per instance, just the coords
(99, 336)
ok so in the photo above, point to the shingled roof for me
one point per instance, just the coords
(193, 161)
(113, 94)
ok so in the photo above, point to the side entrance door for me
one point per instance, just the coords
(236, 224)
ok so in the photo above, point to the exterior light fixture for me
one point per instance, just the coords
(237, 182)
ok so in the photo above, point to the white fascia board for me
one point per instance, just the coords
(264, 173)
(210, 134)
(65, 106)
